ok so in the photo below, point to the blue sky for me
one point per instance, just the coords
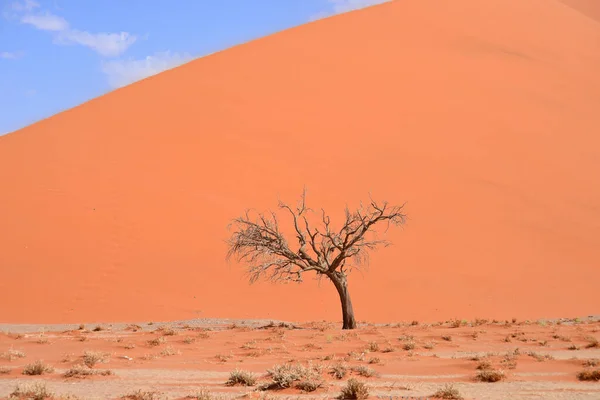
(56, 54)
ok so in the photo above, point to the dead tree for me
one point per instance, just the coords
(259, 242)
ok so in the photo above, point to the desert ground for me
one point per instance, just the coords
(534, 359)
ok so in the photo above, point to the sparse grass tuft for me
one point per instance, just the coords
(447, 338)
(338, 371)
(98, 328)
(157, 341)
(484, 365)
(309, 385)
(593, 343)
(540, 357)
(37, 368)
(202, 394)
(81, 371)
(37, 391)
(239, 377)
(188, 340)
(169, 351)
(373, 347)
(12, 354)
(387, 349)
(5, 370)
(365, 371)
(374, 360)
(143, 395)
(91, 358)
(406, 338)
(409, 346)
(589, 375)
(573, 347)
(448, 392)
(354, 390)
(592, 362)
(286, 375)
(489, 375)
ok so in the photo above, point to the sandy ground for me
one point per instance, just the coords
(481, 115)
(195, 355)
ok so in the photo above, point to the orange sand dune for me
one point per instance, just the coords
(482, 116)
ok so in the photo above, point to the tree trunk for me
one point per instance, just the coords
(341, 284)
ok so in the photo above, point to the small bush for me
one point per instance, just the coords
(309, 385)
(98, 328)
(592, 362)
(12, 355)
(448, 392)
(81, 371)
(447, 338)
(338, 371)
(374, 360)
(5, 370)
(354, 390)
(429, 345)
(406, 338)
(364, 371)
(490, 375)
(589, 375)
(540, 357)
(91, 358)
(203, 394)
(157, 341)
(143, 395)
(188, 340)
(285, 376)
(408, 346)
(169, 351)
(239, 377)
(37, 368)
(573, 347)
(484, 365)
(37, 391)
(168, 331)
(387, 349)
(373, 347)
(592, 343)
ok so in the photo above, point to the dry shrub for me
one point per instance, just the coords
(203, 335)
(592, 362)
(239, 377)
(12, 354)
(387, 349)
(429, 345)
(37, 368)
(37, 391)
(188, 340)
(143, 395)
(98, 328)
(540, 357)
(169, 351)
(91, 358)
(354, 390)
(484, 365)
(129, 346)
(202, 394)
(287, 375)
(167, 331)
(5, 370)
(409, 346)
(157, 341)
(592, 343)
(133, 327)
(338, 370)
(374, 360)
(406, 338)
(489, 375)
(81, 371)
(365, 371)
(447, 338)
(448, 392)
(373, 347)
(589, 375)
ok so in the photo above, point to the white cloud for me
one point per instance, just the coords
(123, 72)
(7, 55)
(46, 22)
(342, 6)
(26, 5)
(105, 44)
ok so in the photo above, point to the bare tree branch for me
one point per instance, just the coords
(260, 243)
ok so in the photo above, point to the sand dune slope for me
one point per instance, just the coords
(482, 116)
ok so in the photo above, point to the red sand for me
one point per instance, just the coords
(482, 116)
